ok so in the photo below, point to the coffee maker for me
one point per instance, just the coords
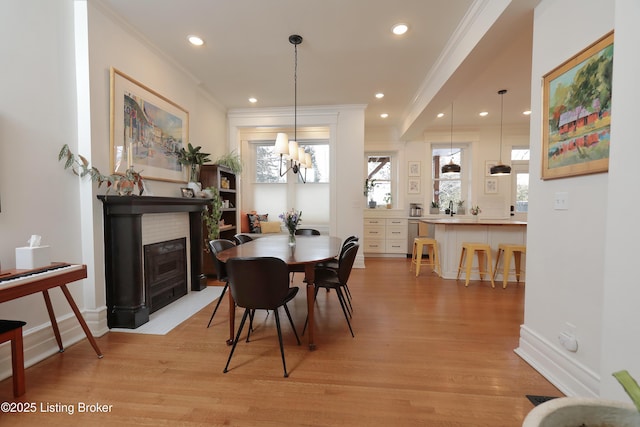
(415, 210)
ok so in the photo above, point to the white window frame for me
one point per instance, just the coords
(465, 160)
(393, 181)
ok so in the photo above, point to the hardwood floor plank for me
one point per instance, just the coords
(426, 352)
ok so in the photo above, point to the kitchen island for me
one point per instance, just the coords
(452, 232)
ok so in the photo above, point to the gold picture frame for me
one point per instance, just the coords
(576, 113)
(147, 130)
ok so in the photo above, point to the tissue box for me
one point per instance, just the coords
(29, 258)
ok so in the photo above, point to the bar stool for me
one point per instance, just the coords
(509, 250)
(434, 258)
(11, 330)
(466, 254)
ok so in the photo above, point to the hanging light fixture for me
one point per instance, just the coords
(451, 167)
(501, 168)
(299, 159)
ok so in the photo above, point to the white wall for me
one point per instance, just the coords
(572, 255)
(620, 327)
(38, 114)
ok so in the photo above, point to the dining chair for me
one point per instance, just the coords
(337, 280)
(261, 283)
(242, 238)
(216, 246)
(333, 264)
(307, 232)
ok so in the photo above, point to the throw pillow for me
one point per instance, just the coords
(270, 226)
(254, 222)
(244, 223)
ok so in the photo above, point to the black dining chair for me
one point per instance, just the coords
(333, 264)
(242, 238)
(261, 283)
(307, 232)
(216, 246)
(337, 280)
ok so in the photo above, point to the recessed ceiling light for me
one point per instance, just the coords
(253, 100)
(399, 29)
(384, 115)
(379, 95)
(195, 40)
(526, 113)
(484, 113)
(440, 115)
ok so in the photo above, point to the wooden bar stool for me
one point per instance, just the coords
(434, 258)
(483, 251)
(11, 330)
(510, 251)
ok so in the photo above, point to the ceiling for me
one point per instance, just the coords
(347, 56)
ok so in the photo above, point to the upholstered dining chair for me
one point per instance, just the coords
(337, 280)
(307, 232)
(261, 283)
(216, 246)
(242, 238)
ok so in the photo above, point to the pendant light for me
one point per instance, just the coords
(298, 157)
(501, 168)
(451, 167)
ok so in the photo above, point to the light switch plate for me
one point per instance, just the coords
(561, 201)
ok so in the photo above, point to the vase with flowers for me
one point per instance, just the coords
(475, 210)
(291, 219)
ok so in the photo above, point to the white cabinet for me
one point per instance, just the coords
(385, 235)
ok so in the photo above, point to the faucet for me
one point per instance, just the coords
(451, 207)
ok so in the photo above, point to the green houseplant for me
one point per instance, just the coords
(193, 158)
(387, 200)
(123, 184)
(231, 160)
(369, 185)
(435, 208)
(212, 215)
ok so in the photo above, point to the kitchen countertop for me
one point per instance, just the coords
(472, 221)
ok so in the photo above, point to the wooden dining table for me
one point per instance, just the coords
(307, 252)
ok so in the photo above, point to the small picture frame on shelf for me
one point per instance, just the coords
(187, 192)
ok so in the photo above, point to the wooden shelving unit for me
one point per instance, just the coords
(224, 180)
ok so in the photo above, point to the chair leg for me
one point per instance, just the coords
(226, 285)
(286, 309)
(235, 342)
(284, 364)
(344, 309)
(252, 314)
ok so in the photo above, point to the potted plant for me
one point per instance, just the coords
(387, 200)
(193, 158)
(231, 160)
(213, 213)
(588, 412)
(369, 185)
(460, 210)
(435, 208)
(475, 211)
(123, 184)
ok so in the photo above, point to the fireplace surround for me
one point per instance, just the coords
(127, 305)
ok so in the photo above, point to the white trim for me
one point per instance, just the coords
(564, 372)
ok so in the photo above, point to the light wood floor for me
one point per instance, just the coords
(426, 352)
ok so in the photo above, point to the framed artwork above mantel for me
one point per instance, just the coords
(147, 131)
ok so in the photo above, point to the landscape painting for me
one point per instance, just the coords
(147, 131)
(577, 113)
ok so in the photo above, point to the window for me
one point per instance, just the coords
(380, 169)
(449, 187)
(520, 179)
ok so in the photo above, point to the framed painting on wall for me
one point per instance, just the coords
(576, 113)
(414, 186)
(491, 185)
(414, 168)
(147, 131)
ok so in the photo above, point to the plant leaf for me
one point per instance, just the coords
(630, 386)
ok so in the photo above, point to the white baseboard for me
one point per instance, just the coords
(568, 375)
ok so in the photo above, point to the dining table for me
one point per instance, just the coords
(302, 256)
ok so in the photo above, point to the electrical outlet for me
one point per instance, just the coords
(561, 201)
